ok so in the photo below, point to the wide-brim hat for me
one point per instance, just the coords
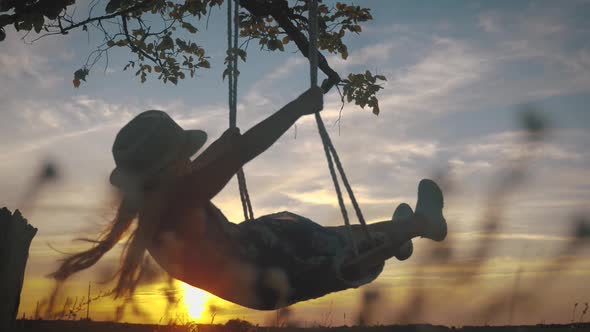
(147, 144)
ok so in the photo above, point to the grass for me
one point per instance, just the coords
(242, 326)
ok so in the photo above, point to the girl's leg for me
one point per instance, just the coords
(401, 231)
(427, 222)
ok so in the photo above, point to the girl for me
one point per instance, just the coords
(267, 263)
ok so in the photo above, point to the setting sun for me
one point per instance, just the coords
(194, 300)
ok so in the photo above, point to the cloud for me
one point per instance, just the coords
(477, 236)
(464, 167)
(37, 123)
(327, 196)
(258, 94)
(426, 86)
(377, 54)
(19, 63)
(30, 66)
(525, 56)
(511, 145)
(488, 22)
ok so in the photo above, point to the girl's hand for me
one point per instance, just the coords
(227, 140)
(311, 101)
(230, 134)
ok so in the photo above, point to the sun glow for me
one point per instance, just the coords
(195, 300)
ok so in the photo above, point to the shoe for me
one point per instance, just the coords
(430, 204)
(403, 211)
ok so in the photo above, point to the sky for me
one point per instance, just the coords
(460, 74)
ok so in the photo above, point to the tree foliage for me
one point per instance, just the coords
(159, 35)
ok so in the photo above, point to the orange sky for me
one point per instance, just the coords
(448, 299)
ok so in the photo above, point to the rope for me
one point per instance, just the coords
(232, 46)
(357, 208)
(244, 187)
(230, 65)
(234, 60)
(329, 149)
(313, 43)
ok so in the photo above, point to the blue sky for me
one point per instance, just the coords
(459, 74)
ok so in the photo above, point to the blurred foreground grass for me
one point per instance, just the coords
(243, 326)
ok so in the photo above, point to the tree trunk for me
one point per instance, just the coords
(15, 239)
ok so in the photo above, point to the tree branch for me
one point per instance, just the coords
(122, 13)
(279, 10)
(133, 47)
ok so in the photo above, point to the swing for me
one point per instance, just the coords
(280, 259)
(361, 268)
(329, 149)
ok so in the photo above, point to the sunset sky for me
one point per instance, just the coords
(459, 74)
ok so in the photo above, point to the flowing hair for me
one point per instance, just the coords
(133, 255)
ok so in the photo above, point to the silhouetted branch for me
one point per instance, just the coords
(279, 10)
(65, 29)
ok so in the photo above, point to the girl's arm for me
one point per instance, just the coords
(216, 149)
(231, 151)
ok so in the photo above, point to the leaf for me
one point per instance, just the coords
(130, 64)
(76, 83)
(274, 44)
(81, 74)
(344, 54)
(242, 54)
(286, 40)
(189, 27)
(376, 109)
(38, 22)
(112, 6)
(157, 69)
(5, 19)
(204, 64)
(166, 43)
(381, 77)
(26, 25)
(225, 73)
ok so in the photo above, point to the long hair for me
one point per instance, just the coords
(133, 254)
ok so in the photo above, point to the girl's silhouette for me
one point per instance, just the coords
(273, 261)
